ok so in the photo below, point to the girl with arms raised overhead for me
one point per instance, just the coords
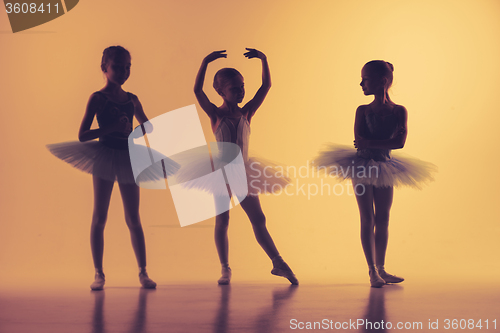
(231, 123)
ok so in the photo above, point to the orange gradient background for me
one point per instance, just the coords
(446, 58)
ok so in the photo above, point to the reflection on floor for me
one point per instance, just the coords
(254, 307)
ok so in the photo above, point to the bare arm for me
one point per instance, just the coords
(140, 115)
(86, 134)
(251, 107)
(202, 98)
(138, 110)
(358, 124)
(396, 142)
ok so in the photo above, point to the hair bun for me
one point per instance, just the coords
(390, 66)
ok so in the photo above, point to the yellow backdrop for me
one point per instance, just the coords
(445, 55)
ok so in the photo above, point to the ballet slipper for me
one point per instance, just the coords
(281, 268)
(375, 280)
(389, 278)
(146, 282)
(98, 283)
(226, 276)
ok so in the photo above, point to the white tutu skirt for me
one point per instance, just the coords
(220, 176)
(345, 162)
(107, 163)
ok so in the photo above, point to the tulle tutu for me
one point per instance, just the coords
(260, 177)
(345, 162)
(265, 176)
(107, 163)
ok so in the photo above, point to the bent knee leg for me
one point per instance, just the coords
(222, 221)
(258, 219)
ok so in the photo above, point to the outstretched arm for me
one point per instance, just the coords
(396, 142)
(251, 107)
(86, 134)
(202, 98)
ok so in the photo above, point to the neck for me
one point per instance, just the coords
(112, 88)
(381, 98)
(230, 107)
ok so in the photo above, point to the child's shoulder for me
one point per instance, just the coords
(97, 98)
(102, 97)
(134, 99)
(400, 110)
(98, 95)
(132, 96)
(396, 108)
(362, 108)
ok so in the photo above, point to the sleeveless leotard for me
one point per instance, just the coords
(111, 113)
(377, 127)
(261, 175)
(237, 132)
(378, 167)
(109, 157)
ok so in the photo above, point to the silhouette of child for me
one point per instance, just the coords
(231, 123)
(108, 159)
(380, 127)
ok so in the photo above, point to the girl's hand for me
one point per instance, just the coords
(251, 107)
(214, 56)
(253, 53)
(401, 131)
(123, 126)
(142, 130)
(127, 126)
(360, 143)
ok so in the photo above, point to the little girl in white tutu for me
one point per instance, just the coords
(108, 159)
(380, 127)
(231, 123)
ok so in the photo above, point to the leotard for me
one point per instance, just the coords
(378, 167)
(262, 176)
(109, 157)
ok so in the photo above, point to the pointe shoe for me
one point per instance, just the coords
(281, 268)
(226, 276)
(375, 280)
(146, 282)
(98, 283)
(389, 278)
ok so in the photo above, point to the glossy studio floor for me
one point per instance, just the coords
(269, 306)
